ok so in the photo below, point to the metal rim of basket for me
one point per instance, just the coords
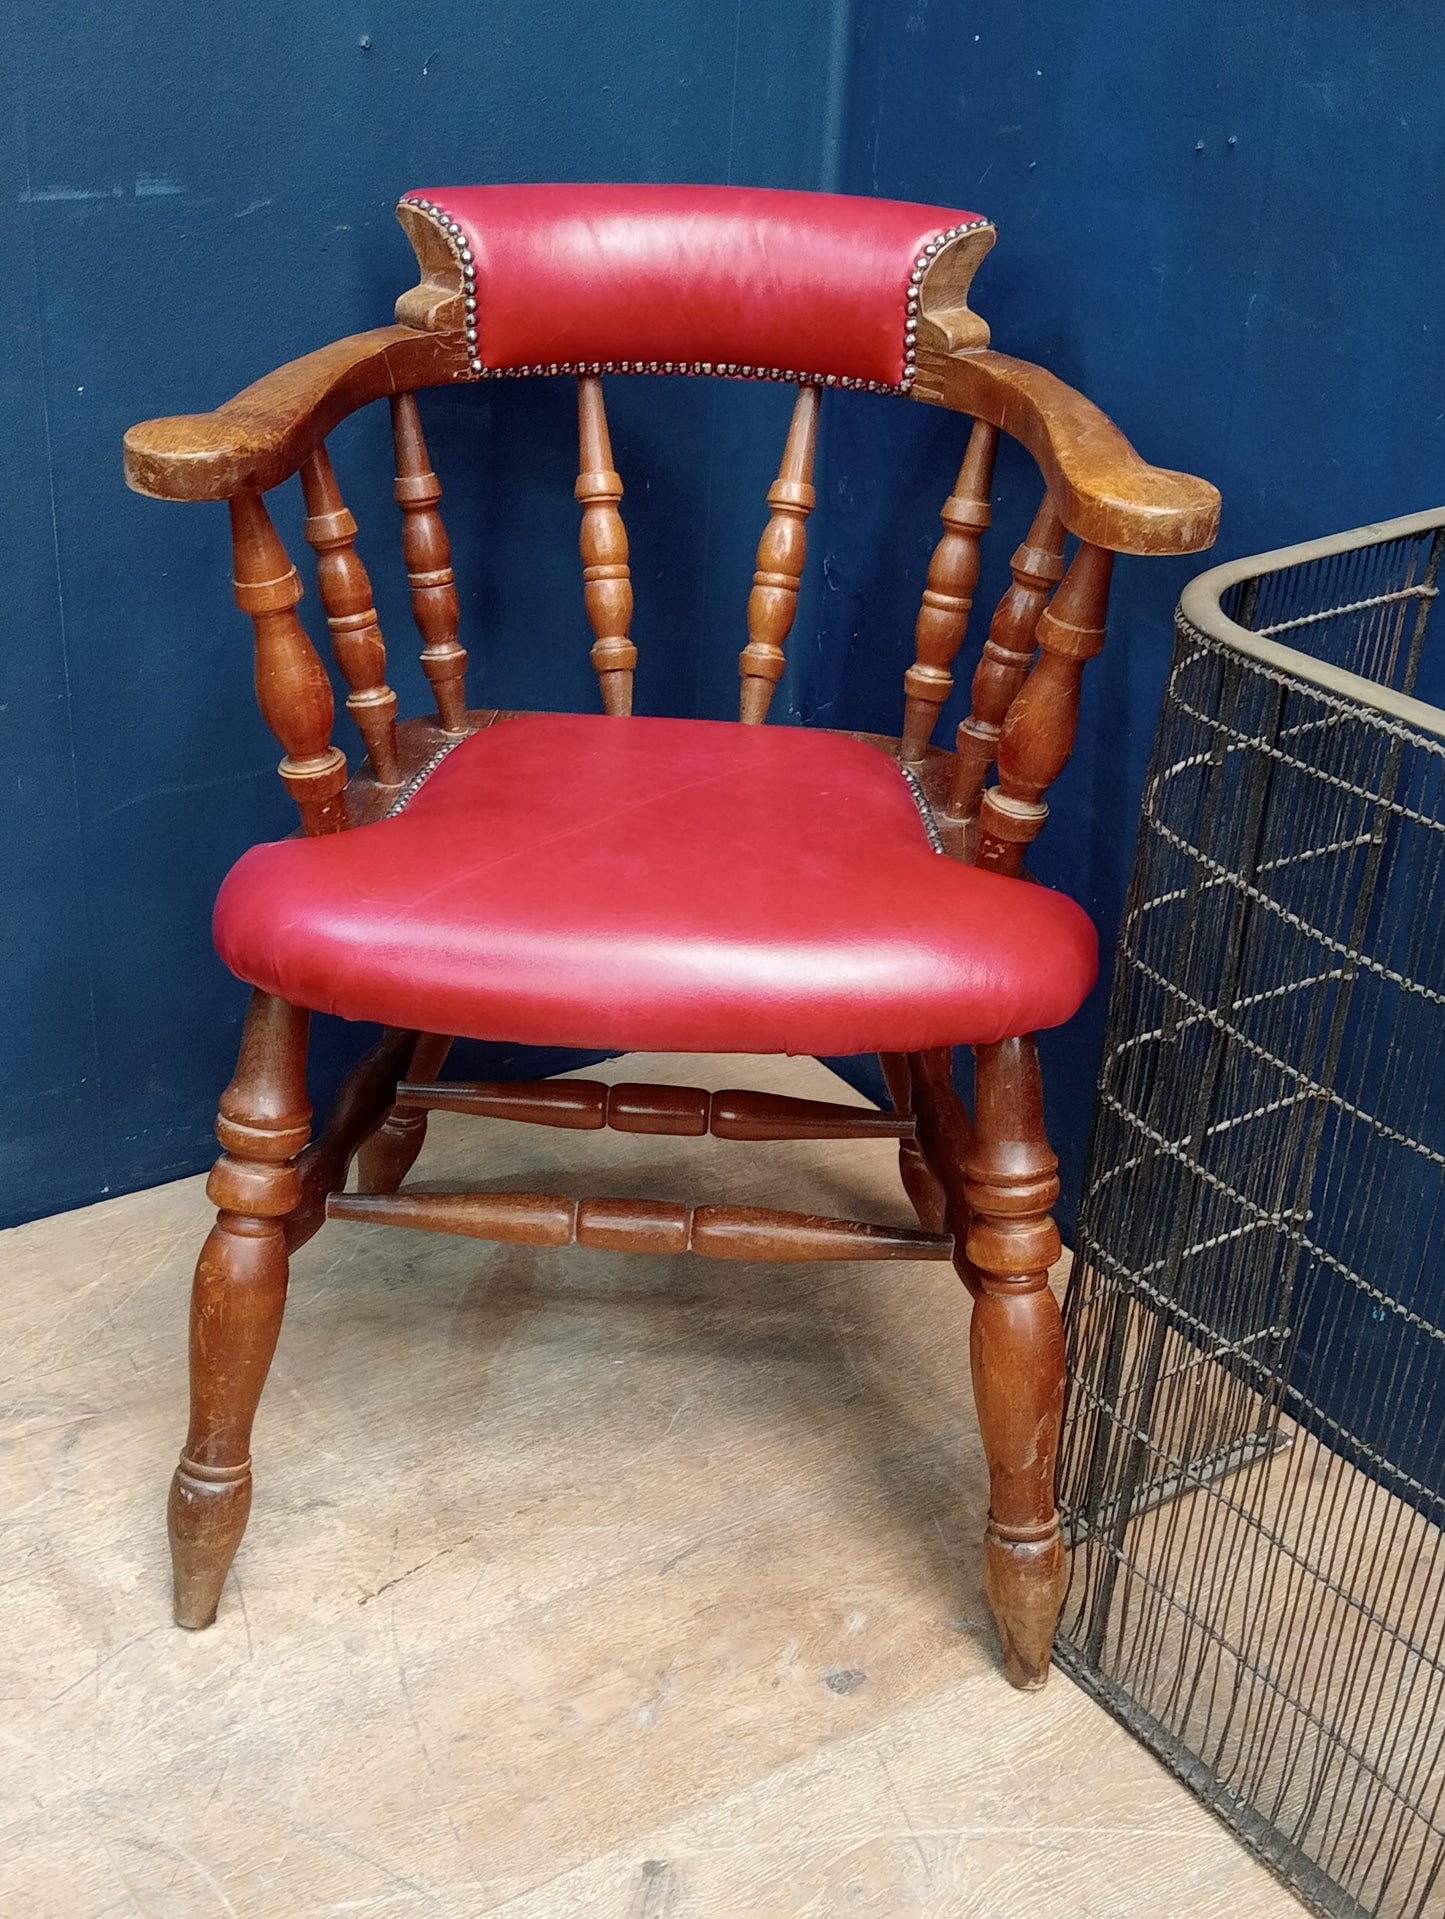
(1199, 607)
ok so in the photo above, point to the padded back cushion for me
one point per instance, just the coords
(738, 280)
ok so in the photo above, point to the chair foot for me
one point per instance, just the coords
(237, 1300)
(206, 1516)
(1025, 1581)
(1016, 1347)
(385, 1159)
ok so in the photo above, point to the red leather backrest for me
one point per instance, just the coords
(735, 280)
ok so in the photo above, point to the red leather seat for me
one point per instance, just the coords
(658, 885)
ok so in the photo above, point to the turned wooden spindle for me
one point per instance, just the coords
(1008, 653)
(428, 555)
(945, 1139)
(606, 575)
(641, 1226)
(948, 596)
(238, 1299)
(351, 614)
(1017, 1351)
(291, 683)
(363, 1101)
(1043, 719)
(684, 1112)
(920, 1182)
(782, 551)
(386, 1158)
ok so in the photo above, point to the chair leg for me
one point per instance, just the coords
(393, 1149)
(238, 1299)
(363, 1101)
(1017, 1350)
(919, 1181)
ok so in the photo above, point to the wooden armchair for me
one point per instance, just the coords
(623, 883)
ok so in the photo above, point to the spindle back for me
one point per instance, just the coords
(816, 290)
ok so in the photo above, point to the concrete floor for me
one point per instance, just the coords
(574, 1585)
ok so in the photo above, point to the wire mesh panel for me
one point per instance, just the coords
(1254, 1468)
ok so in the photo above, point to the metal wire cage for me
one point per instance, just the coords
(1253, 1475)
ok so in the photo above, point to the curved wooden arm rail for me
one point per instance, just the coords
(1106, 493)
(858, 294)
(261, 437)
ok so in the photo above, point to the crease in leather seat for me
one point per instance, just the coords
(658, 885)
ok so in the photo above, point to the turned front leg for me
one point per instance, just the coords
(238, 1299)
(1017, 1352)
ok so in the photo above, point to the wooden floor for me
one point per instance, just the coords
(574, 1585)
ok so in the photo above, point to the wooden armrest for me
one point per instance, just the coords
(1105, 493)
(262, 436)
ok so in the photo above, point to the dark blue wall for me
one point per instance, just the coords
(1219, 220)
(194, 196)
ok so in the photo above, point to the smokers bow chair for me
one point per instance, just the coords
(618, 883)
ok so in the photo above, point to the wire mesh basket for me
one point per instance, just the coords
(1253, 1475)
